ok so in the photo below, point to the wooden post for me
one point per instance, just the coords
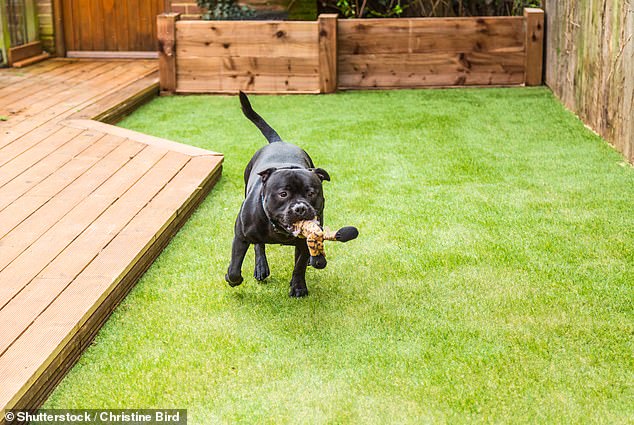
(58, 28)
(166, 32)
(327, 27)
(534, 43)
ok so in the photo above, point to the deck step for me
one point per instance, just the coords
(114, 107)
(30, 61)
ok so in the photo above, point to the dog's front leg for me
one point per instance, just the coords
(298, 281)
(238, 251)
(261, 271)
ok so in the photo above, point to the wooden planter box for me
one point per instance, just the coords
(331, 53)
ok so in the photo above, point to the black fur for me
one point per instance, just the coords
(270, 134)
(282, 186)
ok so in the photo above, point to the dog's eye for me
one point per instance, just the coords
(283, 194)
(310, 193)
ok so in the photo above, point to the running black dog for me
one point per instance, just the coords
(282, 187)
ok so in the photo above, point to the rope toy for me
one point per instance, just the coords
(315, 236)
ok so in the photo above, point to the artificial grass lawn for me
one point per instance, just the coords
(492, 279)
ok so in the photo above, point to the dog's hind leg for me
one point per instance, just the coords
(298, 281)
(238, 251)
(262, 270)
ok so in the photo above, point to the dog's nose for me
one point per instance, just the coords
(299, 209)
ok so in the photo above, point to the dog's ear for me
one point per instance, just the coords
(266, 174)
(321, 173)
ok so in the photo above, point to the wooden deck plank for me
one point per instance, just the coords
(85, 208)
(80, 96)
(149, 140)
(95, 228)
(90, 94)
(63, 357)
(78, 74)
(50, 103)
(37, 196)
(152, 220)
(94, 292)
(97, 182)
(28, 139)
(28, 75)
(15, 158)
(50, 83)
(37, 172)
(27, 92)
(19, 272)
(8, 80)
(17, 105)
(115, 106)
(117, 215)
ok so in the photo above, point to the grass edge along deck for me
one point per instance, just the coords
(28, 385)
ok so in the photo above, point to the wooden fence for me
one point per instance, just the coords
(590, 64)
(321, 56)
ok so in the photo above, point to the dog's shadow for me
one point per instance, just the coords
(272, 290)
(270, 298)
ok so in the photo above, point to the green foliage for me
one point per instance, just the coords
(224, 10)
(376, 9)
(302, 10)
(492, 281)
(420, 8)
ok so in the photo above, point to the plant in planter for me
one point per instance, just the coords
(224, 10)
(422, 8)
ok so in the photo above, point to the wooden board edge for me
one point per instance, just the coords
(25, 51)
(116, 113)
(431, 87)
(139, 137)
(94, 54)
(34, 396)
(32, 60)
(141, 91)
(426, 20)
(235, 92)
(257, 22)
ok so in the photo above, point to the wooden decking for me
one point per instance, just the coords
(85, 207)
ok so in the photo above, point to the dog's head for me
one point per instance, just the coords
(292, 194)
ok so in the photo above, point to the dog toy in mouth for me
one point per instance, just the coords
(315, 236)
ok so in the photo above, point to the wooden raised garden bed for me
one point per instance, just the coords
(331, 53)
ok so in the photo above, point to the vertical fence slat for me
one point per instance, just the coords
(534, 45)
(58, 28)
(166, 32)
(327, 53)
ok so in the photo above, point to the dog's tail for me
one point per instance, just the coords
(270, 134)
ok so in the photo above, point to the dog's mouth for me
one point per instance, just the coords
(285, 227)
(288, 220)
(283, 223)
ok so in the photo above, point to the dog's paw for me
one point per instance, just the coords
(318, 262)
(233, 280)
(298, 292)
(261, 271)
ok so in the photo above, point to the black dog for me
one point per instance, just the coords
(282, 187)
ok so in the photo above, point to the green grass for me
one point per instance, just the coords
(492, 280)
